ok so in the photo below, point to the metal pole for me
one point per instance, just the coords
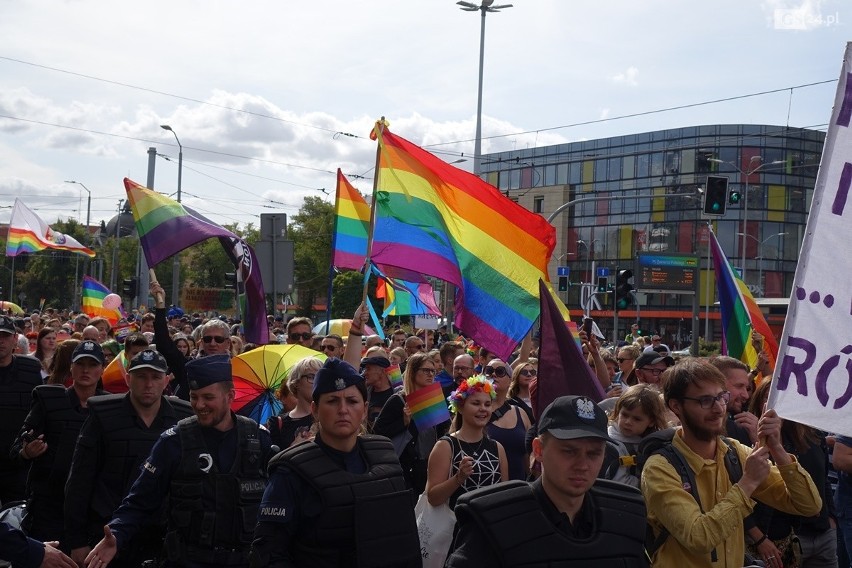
(274, 281)
(114, 272)
(706, 295)
(477, 146)
(615, 308)
(176, 263)
(745, 222)
(144, 278)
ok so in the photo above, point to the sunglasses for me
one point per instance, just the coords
(328, 347)
(496, 371)
(303, 336)
(623, 359)
(655, 372)
(708, 401)
(211, 338)
(529, 372)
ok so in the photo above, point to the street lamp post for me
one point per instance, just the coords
(176, 263)
(485, 6)
(760, 257)
(749, 171)
(87, 239)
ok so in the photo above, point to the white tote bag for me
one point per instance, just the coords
(435, 527)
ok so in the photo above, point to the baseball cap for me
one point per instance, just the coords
(651, 357)
(572, 417)
(88, 348)
(7, 325)
(148, 359)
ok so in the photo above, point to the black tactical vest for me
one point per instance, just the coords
(367, 519)
(510, 515)
(16, 395)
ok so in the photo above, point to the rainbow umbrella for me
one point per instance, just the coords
(259, 372)
(339, 327)
(14, 308)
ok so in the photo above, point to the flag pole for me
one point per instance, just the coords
(378, 129)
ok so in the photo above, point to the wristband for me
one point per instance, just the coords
(356, 334)
(759, 541)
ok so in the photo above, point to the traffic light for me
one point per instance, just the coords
(623, 297)
(734, 197)
(230, 280)
(563, 283)
(128, 287)
(602, 282)
(716, 196)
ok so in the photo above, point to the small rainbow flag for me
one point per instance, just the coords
(428, 406)
(28, 233)
(93, 301)
(575, 332)
(394, 375)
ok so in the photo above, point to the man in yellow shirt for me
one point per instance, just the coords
(711, 534)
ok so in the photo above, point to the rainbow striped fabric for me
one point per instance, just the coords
(28, 233)
(428, 406)
(93, 301)
(166, 227)
(740, 313)
(395, 375)
(406, 298)
(447, 223)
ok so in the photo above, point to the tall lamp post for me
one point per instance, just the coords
(176, 263)
(484, 6)
(760, 245)
(759, 164)
(88, 237)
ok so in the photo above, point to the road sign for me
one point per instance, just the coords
(603, 271)
(562, 271)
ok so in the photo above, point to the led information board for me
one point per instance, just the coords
(667, 272)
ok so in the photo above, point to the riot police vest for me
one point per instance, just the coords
(510, 516)
(62, 423)
(16, 395)
(126, 446)
(212, 514)
(351, 502)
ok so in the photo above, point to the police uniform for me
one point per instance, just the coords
(58, 415)
(113, 443)
(17, 381)
(213, 480)
(516, 524)
(329, 508)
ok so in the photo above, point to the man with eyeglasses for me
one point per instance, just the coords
(332, 346)
(300, 332)
(463, 368)
(650, 365)
(710, 533)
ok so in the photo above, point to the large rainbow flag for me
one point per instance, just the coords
(166, 227)
(740, 313)
(447, 223)
(93, 301)
(28, 233)
(410, 296)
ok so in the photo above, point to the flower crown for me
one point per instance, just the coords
(476, 384)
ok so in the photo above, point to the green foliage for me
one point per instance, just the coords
(311, 231)
(347, 291)
(708, 348)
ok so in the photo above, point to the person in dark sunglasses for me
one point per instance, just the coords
(332, 346)
(300, 332)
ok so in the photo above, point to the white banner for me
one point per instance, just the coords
(812, 383)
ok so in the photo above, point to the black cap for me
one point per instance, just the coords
(148, 359)
(335, 375)
(651, 357)
(7, 325)
(205, 371)
(88, 348)
(382, 362)
(572, 417)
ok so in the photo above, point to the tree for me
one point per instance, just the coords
(347, 290)
(311, 230)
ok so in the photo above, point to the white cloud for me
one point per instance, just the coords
(629, 77)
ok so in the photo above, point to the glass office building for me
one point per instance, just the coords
(642, 193)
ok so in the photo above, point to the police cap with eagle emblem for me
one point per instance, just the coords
(572, 417)
(335, 375)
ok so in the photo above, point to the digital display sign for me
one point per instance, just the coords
(667, 272)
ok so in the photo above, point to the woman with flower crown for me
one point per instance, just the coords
(467, 458)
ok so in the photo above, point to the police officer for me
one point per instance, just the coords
(113, 443)
(566, 517)
(25, 552)
(48, 437)
(212, 468)
(19, 375)
(340, 500)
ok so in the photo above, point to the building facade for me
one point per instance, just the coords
(642, 193)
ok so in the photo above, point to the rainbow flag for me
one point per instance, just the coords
(740, 313)
(113, 377)
(409, 295)
(445, 222)
(166, 227)
(28, 233)
(395, 376)
(93, 301)
(428, 406)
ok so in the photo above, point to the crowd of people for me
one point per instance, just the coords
(122, 444)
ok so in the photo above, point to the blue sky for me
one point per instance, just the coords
(114, 71)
